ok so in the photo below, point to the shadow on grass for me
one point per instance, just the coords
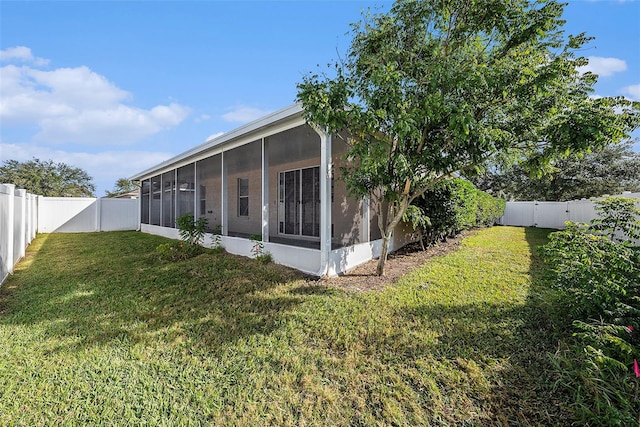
(530, 382)
(513, 343)
(92, 289)
(102, 289)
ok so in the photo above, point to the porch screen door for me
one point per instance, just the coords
(299, 210)
(292, 202)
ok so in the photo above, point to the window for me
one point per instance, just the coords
(243, 197)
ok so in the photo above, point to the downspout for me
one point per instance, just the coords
(139, 227)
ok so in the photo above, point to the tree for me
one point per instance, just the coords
(611, 170)
(122, 186)
(434, 87)
(47, 178)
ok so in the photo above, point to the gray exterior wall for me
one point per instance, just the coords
(244, 162)
(290, 149)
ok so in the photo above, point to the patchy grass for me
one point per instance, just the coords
(97, 330)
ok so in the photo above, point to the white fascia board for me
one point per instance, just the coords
(242, 135)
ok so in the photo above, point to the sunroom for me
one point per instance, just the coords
(272, 180)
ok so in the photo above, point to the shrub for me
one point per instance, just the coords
(595, 272)
(192, 234)
(191, 231)
(489, 209)
(596, 266)
(618, 218)
(450, 207)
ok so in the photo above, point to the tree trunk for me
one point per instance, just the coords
(383, 254)
(387, 231)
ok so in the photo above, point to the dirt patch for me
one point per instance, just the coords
(364, 278)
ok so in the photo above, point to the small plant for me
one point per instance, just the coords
(191, 231)
(217, 238)
(192, 234)
(258, 251)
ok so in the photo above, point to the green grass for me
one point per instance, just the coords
(96, 330)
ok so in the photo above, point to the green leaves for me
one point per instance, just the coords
(47, 178)
(598, 275)
(611, 170)
(441, 86)
(122, 186)
(191, 230)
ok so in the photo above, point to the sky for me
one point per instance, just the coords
(115, 87)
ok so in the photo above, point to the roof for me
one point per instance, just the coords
(225, 139)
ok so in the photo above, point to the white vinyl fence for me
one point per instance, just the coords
(23, 214)
(85, 214)
(551, 214)
(18, 226)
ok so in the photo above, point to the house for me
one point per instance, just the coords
(275, 178)
(129, 195)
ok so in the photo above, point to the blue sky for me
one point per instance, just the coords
(115, 87)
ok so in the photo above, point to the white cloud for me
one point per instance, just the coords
(212, 136)
(603, 66)
(78, 105)
(104, 167)
(202, 118)
(633, 92)
(118, 125)
(244, 114)
(21, 53)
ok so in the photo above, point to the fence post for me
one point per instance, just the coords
(98, 215)
(27, 215)
(11, 188)
(40, 213)
(36, 204)
(22, 222)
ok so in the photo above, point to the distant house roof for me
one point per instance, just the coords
(133, 194)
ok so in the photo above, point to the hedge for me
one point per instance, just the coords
(454, 205)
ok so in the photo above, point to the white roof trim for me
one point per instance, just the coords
(251, 127)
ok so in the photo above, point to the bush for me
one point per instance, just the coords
(489, 209)
(596, 266)
(191, 231)
(450, 207)
(192, 234)
(453, 205)
(595, 272)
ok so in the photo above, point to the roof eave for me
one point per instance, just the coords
(268, 120)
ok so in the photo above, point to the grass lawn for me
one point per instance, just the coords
(96, 330)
